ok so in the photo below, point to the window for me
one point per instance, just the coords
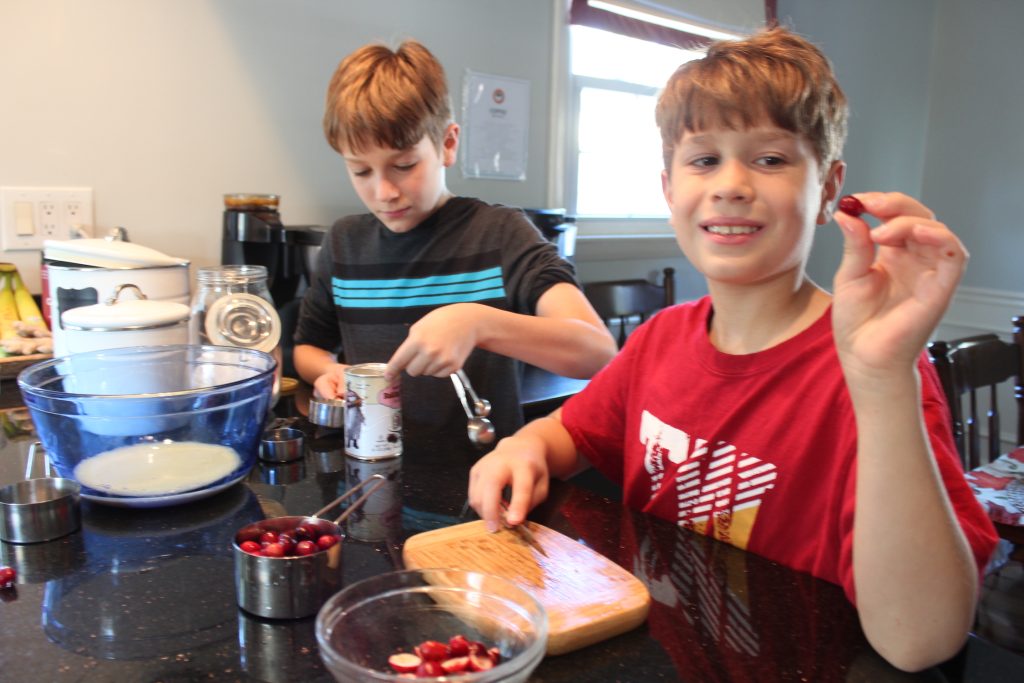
(614, 158)
(621, 53)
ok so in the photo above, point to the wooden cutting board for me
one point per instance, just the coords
(588, 597)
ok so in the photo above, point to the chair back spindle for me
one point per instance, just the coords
(981, 363)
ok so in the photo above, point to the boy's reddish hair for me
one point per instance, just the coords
(773, 75)
(380, 97)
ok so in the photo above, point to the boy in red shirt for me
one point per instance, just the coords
(804, 426)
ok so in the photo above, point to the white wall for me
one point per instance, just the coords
(162, 106)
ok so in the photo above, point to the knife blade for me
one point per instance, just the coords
(521, 531)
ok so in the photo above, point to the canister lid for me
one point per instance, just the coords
(106, 253)
(127, 314)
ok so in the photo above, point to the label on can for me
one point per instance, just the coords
(373, 413)
(380, 516)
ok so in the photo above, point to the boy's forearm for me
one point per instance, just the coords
(571, 348)
(563, 459)
(564, 346)
(914, 574)
(311, 361)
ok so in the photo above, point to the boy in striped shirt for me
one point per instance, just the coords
(428, 282)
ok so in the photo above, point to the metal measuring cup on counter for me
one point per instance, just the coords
(39, 509)
(294, 586)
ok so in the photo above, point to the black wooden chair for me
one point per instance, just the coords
(626, 303)
(980, 365)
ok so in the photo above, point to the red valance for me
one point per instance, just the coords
(580, 12)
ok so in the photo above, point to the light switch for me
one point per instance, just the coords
(24, 221)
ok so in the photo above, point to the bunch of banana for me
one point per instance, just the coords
(22, 328)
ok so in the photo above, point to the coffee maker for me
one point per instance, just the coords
(254, 235)
(557, 227)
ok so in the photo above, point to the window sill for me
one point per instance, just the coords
(621, 247)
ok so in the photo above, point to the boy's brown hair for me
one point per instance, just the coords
(772, 75)
(385, 98)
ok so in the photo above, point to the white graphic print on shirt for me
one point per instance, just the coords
(718, 489)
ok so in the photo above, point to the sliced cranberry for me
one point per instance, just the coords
(429, 669)
(495, 654)
(404, 662)
(458, 646)
(455, 665)
(433, 650)
(480, 662)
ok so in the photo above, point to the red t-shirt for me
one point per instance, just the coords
(757, 450)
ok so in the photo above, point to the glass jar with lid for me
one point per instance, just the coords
(232, 306)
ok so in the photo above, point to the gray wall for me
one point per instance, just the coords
(880, 51)
(937, 100)
(974, 161)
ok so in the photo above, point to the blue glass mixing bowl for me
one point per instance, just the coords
(153, 425)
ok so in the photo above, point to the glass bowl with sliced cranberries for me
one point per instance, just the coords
(441, 624)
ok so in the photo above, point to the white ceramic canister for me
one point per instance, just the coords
(121, 321)
(86, 272)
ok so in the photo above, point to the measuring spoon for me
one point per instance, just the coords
(479, 429)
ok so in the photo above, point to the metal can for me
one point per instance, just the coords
(373, 413)
(381, 515)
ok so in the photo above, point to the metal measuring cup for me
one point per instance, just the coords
(293, 587)
(37, 510)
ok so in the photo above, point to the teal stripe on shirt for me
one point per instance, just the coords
(426, 291)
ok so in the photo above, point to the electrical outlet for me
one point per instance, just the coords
(48, 219)
(77, 217)
(31, 215)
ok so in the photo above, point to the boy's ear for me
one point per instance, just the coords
(830, 190)
(450, 144)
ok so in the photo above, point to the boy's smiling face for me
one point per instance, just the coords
(403, 187)
(744, 203)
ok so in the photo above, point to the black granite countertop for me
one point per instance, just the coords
(148, 594)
